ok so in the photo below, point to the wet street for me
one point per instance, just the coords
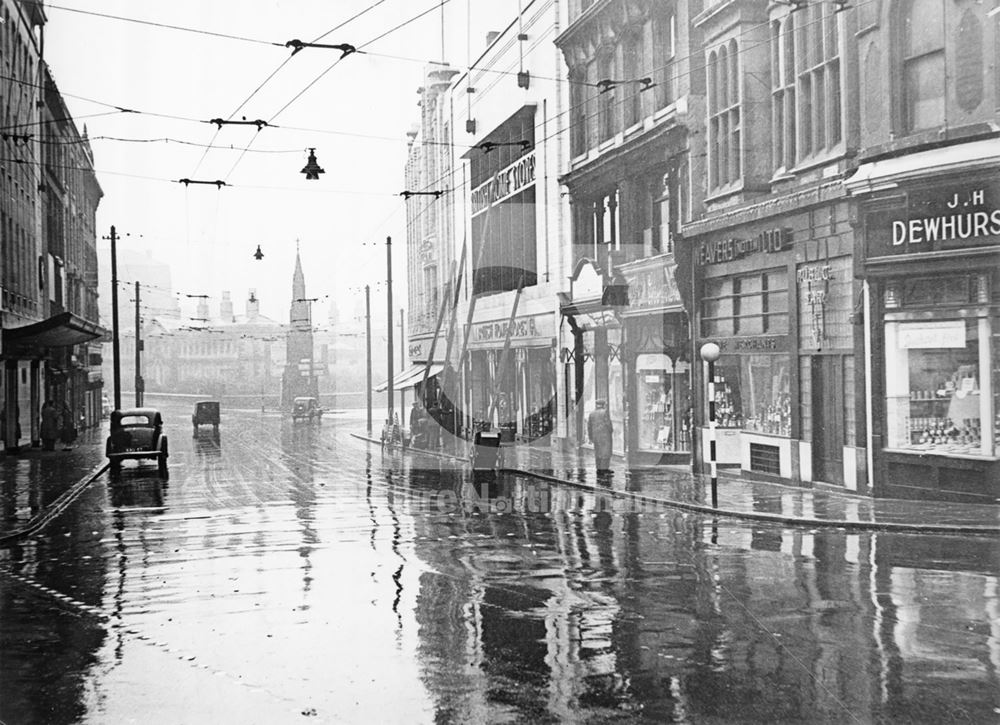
(293, 573)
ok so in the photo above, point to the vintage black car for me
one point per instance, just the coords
(206, 412)
(306, 409)
(137, 433)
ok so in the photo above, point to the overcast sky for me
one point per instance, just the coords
(356, 116)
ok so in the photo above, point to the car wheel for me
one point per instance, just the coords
(116, 467)
(161, 464)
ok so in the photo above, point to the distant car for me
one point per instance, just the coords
(206, 412)
(306, 409)
(137, 433)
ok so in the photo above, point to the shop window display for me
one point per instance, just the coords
(664, 396)
(935, 372)
(752, 393)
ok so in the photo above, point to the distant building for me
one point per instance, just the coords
(301, 364)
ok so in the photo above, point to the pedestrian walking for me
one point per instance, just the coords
(67, 428)
(50, 426)
(600, 430)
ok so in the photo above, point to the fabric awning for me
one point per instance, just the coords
(62, 330)
(413, 375)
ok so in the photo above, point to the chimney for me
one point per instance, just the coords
(226, 308)
(253, 304)
(491, 36)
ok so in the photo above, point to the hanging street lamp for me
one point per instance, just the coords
(312, 169)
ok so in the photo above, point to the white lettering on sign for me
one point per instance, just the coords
(506, 182)
(950, 227)
(930, 335)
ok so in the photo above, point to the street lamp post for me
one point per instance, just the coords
(368, 356)
(115, 349)
(388, 294)
(710, 353)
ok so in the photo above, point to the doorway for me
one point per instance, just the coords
(828, 419)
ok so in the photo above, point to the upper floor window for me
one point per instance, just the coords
(783, 127)
(922, 77)
(817, 57)
(664, 49)
(606, 98)
(632, 67)
(578, 90)
(724, 128)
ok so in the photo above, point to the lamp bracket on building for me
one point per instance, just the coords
(488, 146)
(436, 194)
(259, 123)
(218, 183)
(607, 84)
(345, 48)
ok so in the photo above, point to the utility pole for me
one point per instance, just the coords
(402, 364)
(115, 349)
(368, 358)
(138, 352)
(388, 292)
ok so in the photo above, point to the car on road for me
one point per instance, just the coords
(206, 412)
(137, 433)
(306, 409)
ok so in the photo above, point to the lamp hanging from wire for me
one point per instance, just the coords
(312, 169)
(258, 255)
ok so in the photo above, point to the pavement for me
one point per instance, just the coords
(37, 484)
(738, 497)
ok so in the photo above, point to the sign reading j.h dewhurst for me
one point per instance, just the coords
(939, 218)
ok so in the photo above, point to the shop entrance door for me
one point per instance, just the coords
(828, 419)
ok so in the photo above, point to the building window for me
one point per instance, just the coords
(751, 304)
(664, 50)
(817, 55)
(921, 31)
(632, 62)
(783, 92)
(606, 98)
(578, 113)
(724, 132)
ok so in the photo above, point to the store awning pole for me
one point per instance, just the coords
(456, 293)
(437, 330)
(502, 367)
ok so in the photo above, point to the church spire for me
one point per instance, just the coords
(298, 279)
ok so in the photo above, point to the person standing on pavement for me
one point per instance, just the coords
(67, 428)
(50, 426)
(600, 430)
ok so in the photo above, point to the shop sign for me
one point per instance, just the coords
(728, 250)
(504, 183)
(752, 343)
(652, 288)
(416, 351)
(936, 219)
(522, 328)
(930, 335)
(813, 279)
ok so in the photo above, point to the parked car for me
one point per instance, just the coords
(306, 409)
(137, 433)
(206, 412)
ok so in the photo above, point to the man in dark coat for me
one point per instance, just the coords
(600, 430)
(49, 429)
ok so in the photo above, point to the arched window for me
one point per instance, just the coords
(921, 42)
(724, 132)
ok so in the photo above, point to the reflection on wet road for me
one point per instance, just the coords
(288, 571)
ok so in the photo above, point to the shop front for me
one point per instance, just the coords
(931, 259)
(657, 364)
(778, 297)
(510, 376)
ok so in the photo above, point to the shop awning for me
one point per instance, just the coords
(62, 330)
(413, 375)
(963, 157)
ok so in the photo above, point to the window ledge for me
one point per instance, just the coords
(943, 454)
